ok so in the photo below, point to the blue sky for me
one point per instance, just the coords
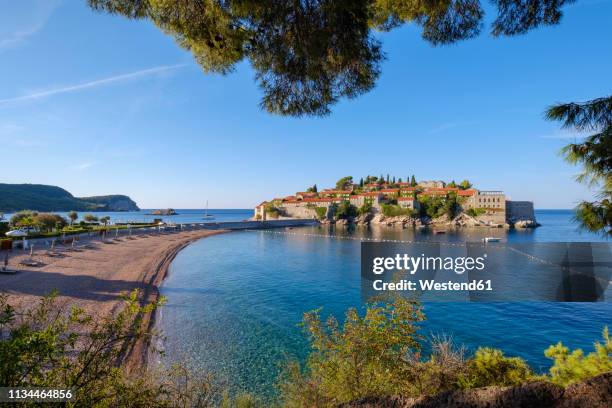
(99, 104)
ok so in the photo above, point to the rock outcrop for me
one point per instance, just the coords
(595, 392)
(526, 224)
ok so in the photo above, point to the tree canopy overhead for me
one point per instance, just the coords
(309, 54)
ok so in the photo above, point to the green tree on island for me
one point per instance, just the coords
(413, 182)
(594, 154)
(344, 183)
(465, 184)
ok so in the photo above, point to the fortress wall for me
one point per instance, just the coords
(519, 210)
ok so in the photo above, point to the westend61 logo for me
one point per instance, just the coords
(436, 271)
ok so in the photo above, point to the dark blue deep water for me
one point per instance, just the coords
(235, 300)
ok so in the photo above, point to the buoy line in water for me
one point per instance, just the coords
(366, 239)
(399, 241)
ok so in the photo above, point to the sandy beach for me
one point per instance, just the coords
(95, 278)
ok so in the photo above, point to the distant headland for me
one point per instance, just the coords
(39, 197)
(390, 201)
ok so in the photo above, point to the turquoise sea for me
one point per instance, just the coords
(235, 300)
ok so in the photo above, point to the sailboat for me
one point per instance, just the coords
(208, 216)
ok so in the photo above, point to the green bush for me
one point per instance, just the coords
(365, 209)
(570, 367)
(391, 210)
(364, 357)
(490, 367)
(272, 211)
(475, 212)
(321, 212)
(345, 210)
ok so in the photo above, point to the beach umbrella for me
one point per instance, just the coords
(18, 234)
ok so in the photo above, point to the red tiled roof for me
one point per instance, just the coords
(434, 192)
(320, 200)
(390, 190)
(466, 193)
(405, 199)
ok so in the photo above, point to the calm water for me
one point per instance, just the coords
(183, 216)
(235, 300)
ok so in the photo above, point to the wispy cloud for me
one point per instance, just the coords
(83, 166)
(38, 15)
(35, 95)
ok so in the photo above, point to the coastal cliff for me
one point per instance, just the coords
(39, 197)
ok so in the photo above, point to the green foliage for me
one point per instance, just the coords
(413, 182)
(90, 218)
(16, 197)
(451, 207)
(465, 184)
(312, 189)
(594, 154)
(321, 212)
(309, 55)
(49, 347)
(22, 217)
(73, 216)
(366, 357)
(432, 206)
(345, 210)
(366, 208)
(452, 184)
(394, 210)
(490, 367)
(48, 222)
(272, 211)
(344, 183)
(475, 212)
(570, 367)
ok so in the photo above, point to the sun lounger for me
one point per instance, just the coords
(31, 263)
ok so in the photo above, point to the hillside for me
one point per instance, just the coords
(16, 197)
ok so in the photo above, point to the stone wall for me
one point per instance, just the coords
(519, 211)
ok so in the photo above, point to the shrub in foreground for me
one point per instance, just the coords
(570, 367)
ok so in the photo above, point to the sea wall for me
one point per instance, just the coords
(241, 225)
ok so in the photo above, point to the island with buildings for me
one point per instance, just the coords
(387, 201)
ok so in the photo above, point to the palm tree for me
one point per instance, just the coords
(73, 215)
(594, 154)
(105, 220)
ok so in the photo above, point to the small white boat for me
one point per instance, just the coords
(491, 239)
(208, 216)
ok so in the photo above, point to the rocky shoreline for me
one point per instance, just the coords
(404, 221)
